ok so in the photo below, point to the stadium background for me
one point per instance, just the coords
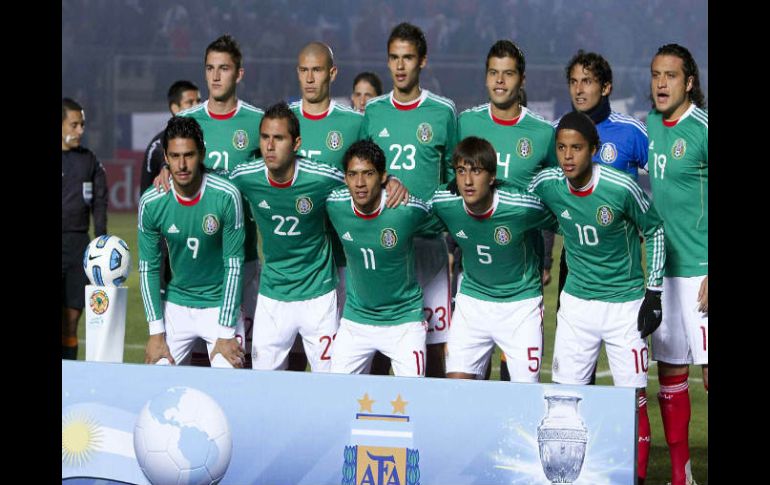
(119, 57)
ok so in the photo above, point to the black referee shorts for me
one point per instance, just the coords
(73, 277)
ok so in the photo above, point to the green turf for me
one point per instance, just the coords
(124, 226)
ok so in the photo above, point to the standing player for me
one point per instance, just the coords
(384, 307)
(366, 85)
(678, 130)
(500, 300)
(417, 131)
(523, 140)
(601, 212)
(231, 132)
(201, 218)
(83, 192)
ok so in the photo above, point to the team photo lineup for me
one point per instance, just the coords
(400, 236)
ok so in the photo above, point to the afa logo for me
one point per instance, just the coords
(388, 238)
(424, 133)
(240, 140)
(334, 140)
(210, 224)
(304, 205)
(99, 302)
(679, 148)
(608, 153)
(604, 215)
(502, 235)
(524, 147)
(368, 464)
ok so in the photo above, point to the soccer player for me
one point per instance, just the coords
(500, 299)
(678, 160)
(417, 131)
(523, 140)
(366, 85)
(83, 192)
(231, 132)
(623, 138)
(201, 218)
(601, 212)
(384, 309)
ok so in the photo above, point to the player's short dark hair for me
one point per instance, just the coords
(371, 78)
(690, 68)
(410, 33)
(476, 152)
(174, 95)
(582, 123)
(69, 104)
(593, 63)
(365, 150)
(228, 44)
(184, 127)
(506, 48)
(281, 111)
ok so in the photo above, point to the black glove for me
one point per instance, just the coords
(650, 313)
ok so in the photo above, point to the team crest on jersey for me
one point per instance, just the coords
(240, 140)
(679, 148)
(502, 235)
(210, 224)
(424, 133)
(604, 215)
(304, 205)
(99, 302)
(524, 147)
(334, 140)
(388, 238)
(608, 153)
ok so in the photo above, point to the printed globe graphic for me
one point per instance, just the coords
(182, 437)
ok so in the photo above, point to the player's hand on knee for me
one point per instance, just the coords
(157, 349)
(650, 313)
(230, 349)
(161, 181)
(703, 296)
(397, 192)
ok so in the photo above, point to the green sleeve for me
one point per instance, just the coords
(650, 225)
(233, 237)
(450, 148)
(149, 265)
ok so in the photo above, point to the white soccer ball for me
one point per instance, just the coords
(107, 261)
(182, 437)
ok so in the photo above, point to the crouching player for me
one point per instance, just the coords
(201, 218)
(601, 212)
(383, 310)
(500, 298)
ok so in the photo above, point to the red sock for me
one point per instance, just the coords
(644, 437)
(674, 398)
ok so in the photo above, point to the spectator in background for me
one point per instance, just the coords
(366, 85)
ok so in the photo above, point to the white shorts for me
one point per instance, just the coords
(356, 344)
(682, 337)
(516, 326)
(583, 325)
(431, 262)
(186, 325)
(276, 324)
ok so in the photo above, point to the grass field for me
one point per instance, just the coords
(124, 226)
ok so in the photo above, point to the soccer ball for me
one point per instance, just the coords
(182, 437)
(107, 261)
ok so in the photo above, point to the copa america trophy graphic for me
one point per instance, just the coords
(562, 437)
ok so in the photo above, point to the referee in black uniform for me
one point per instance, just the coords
(83, 191)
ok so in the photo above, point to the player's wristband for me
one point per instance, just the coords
(157, 326)
(226, 332)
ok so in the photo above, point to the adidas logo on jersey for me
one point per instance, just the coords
(566, 215)
(173, 229)
(347, 237)
(384, 133)
(264, 205)
(461, 234)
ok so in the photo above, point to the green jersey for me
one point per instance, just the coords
(205, 248)
(601, 228)
(230, 141)
(523, 147)
(326, 137)
(296, 249)
(382, 287)
(499, 260)
(418, 140)
(679, 177)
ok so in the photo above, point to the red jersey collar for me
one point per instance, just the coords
(225, 116)
(488, 213)
(283, 185)
(374, 214)
(589, 188)
(319, 116)
(410, 105)
(189, 202)
(503, 122)
(673, 123)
